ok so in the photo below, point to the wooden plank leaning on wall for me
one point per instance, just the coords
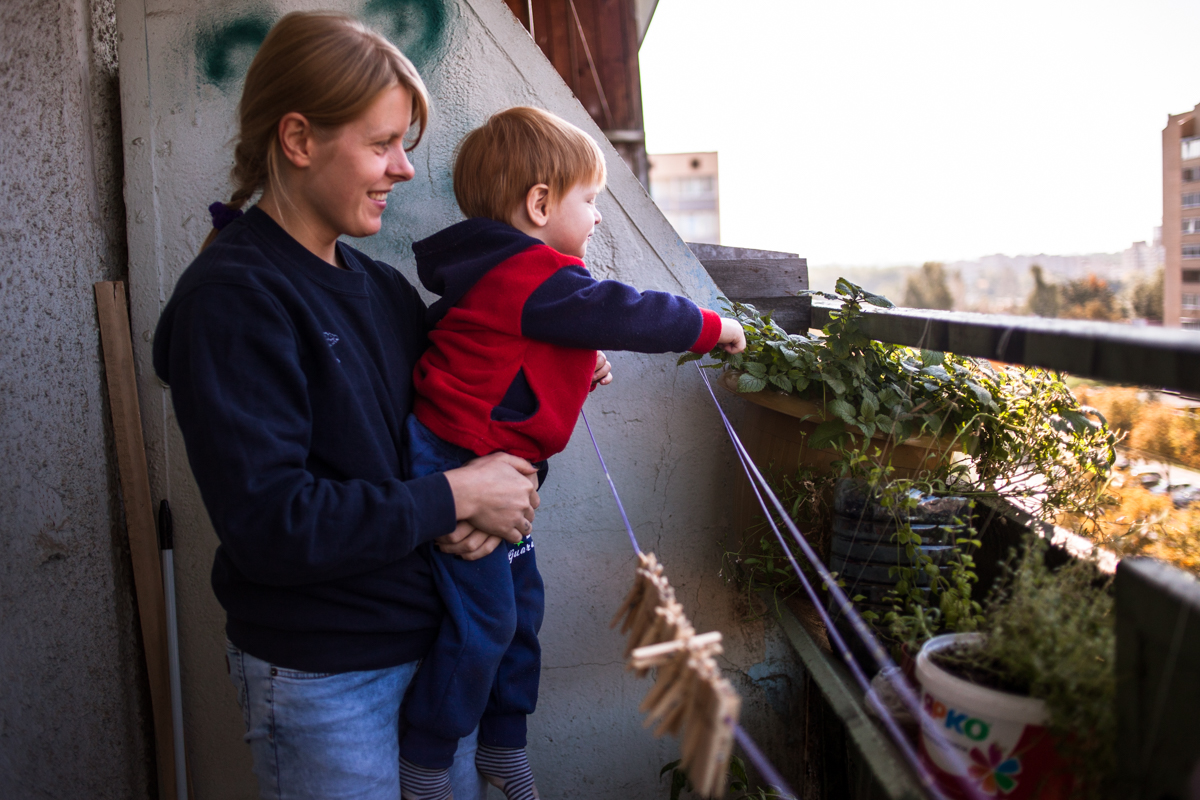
(113, 313)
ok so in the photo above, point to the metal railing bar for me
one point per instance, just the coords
(1166, 358)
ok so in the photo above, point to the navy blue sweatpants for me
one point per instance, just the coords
(484, 666)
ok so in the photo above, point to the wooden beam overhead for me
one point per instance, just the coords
(593, 45)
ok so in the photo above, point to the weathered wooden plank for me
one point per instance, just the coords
(888, 769)
(719, 252)
(113, 314)
(758, 277)
(766, 279)
(1158, 678)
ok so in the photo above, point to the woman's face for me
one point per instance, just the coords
(354, 167)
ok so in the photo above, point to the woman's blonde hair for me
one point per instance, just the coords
(515, 150)
(326, 66)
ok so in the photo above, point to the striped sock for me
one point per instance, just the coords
(419, 783)
(507, 768)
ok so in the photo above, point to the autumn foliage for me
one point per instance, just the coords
(1138, 521)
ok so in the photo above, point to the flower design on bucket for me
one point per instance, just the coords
(994, 771)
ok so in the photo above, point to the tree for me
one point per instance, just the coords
(928, 288)
(1147, 300)
(1043, 300)
(1088, 298)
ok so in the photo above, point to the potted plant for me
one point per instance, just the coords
(904, 553)
(1025, 440)
(853, 386)
(1023, 435)
(1029, 700)
(842, 388)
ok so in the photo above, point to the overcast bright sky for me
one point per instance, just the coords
(874, 132)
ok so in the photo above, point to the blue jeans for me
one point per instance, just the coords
(317, 736)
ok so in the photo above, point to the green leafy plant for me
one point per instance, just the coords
(1024, 439)
(1023, 436)
(1050, 634)
(919, 613)
(926, 599)
(739, 782)
(1026, 435)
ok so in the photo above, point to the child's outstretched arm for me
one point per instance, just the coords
(573, 309)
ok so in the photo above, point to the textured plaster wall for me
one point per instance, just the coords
(661, 437)
(72, 711)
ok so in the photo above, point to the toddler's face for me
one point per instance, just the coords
(572, 220)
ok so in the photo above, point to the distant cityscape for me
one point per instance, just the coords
(1151, 282)
(1110, 286)
(1002, 284)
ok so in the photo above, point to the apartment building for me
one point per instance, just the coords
(686, 190)
(1181, 219)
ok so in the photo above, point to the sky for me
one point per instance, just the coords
(886, 133)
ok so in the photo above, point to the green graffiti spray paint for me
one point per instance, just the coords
(224, 48)
(417, 27)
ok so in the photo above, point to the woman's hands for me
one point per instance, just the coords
(495, 497)
(496, 494)
(467, 541)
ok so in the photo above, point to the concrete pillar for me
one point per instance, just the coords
(73, 704)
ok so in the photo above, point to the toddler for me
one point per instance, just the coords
(512, 352)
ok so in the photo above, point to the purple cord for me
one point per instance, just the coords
(880, 655)
(611, 485)
(760, 762)
(765, 768)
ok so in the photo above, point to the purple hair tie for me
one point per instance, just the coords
(222, 214)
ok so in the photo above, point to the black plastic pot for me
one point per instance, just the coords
(864, 552)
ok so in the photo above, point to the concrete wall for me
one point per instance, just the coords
(73, 708)
(182, 63)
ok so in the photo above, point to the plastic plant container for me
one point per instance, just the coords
(1000, 737)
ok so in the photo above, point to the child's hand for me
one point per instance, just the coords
(733, 337)
(603, 374)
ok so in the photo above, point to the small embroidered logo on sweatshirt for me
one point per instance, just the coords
(520, 548)
(332, 339)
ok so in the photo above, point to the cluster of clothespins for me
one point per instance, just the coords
(689, 698)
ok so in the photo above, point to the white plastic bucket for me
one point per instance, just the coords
(1002, 744)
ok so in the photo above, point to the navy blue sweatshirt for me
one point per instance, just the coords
(291, 380)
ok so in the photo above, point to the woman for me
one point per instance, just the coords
(289, 356)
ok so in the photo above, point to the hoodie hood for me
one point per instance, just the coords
(453, 260)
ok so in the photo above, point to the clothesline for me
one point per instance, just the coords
(772, 507)
(753, 753)
(760, 486)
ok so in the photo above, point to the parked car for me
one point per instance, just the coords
(1184, 494)
(1151, 480)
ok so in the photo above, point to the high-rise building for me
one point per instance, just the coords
(1181, 220)
(686, 189)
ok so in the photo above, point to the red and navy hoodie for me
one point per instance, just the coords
(514, 337)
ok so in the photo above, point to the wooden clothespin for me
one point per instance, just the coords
(689, 698)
